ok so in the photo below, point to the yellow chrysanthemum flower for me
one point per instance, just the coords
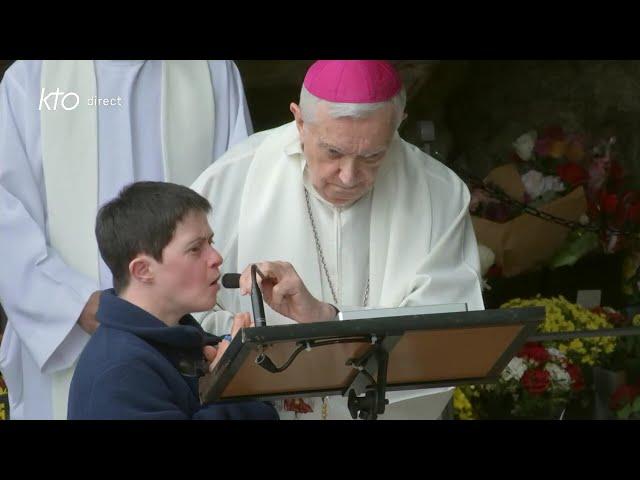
(564, 316)
(462, 405)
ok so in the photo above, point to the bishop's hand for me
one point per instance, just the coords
(283, 290)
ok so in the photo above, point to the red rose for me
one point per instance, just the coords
(609, 202)
(536, 381)
(577, 380)
(572, 173)
(534, 351)
(623, 395)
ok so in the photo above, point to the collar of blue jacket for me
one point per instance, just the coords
(182, 344)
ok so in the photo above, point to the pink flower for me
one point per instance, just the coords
(543, 146)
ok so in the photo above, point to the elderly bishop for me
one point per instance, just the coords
(365, 218)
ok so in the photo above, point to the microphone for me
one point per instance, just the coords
(232, 280)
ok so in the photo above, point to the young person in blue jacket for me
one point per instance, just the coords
(145, 359)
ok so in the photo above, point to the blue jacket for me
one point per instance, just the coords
(131, 369)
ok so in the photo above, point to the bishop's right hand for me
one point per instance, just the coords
(285, 292)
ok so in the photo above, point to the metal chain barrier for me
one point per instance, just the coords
(497, 193)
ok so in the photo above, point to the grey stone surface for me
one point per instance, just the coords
(496, 101)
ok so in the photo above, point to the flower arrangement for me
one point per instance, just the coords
(564, 316)
(551, 163)
(625, 402)
(540, 379)
(558, 161)
(534, 383)
(518, 198)
(537, 383)
(462, 406)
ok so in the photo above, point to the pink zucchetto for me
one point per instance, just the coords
(353, 81)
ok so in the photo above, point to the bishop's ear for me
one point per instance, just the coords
(297, 115)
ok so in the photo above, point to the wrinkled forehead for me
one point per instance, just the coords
(371, 133)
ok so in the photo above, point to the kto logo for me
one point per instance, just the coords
(69, 100)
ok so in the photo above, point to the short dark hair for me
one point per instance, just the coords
(142, 219)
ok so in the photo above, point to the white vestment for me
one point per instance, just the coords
(411, 235)
(166, 120)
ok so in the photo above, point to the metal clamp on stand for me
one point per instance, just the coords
(373, 402)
